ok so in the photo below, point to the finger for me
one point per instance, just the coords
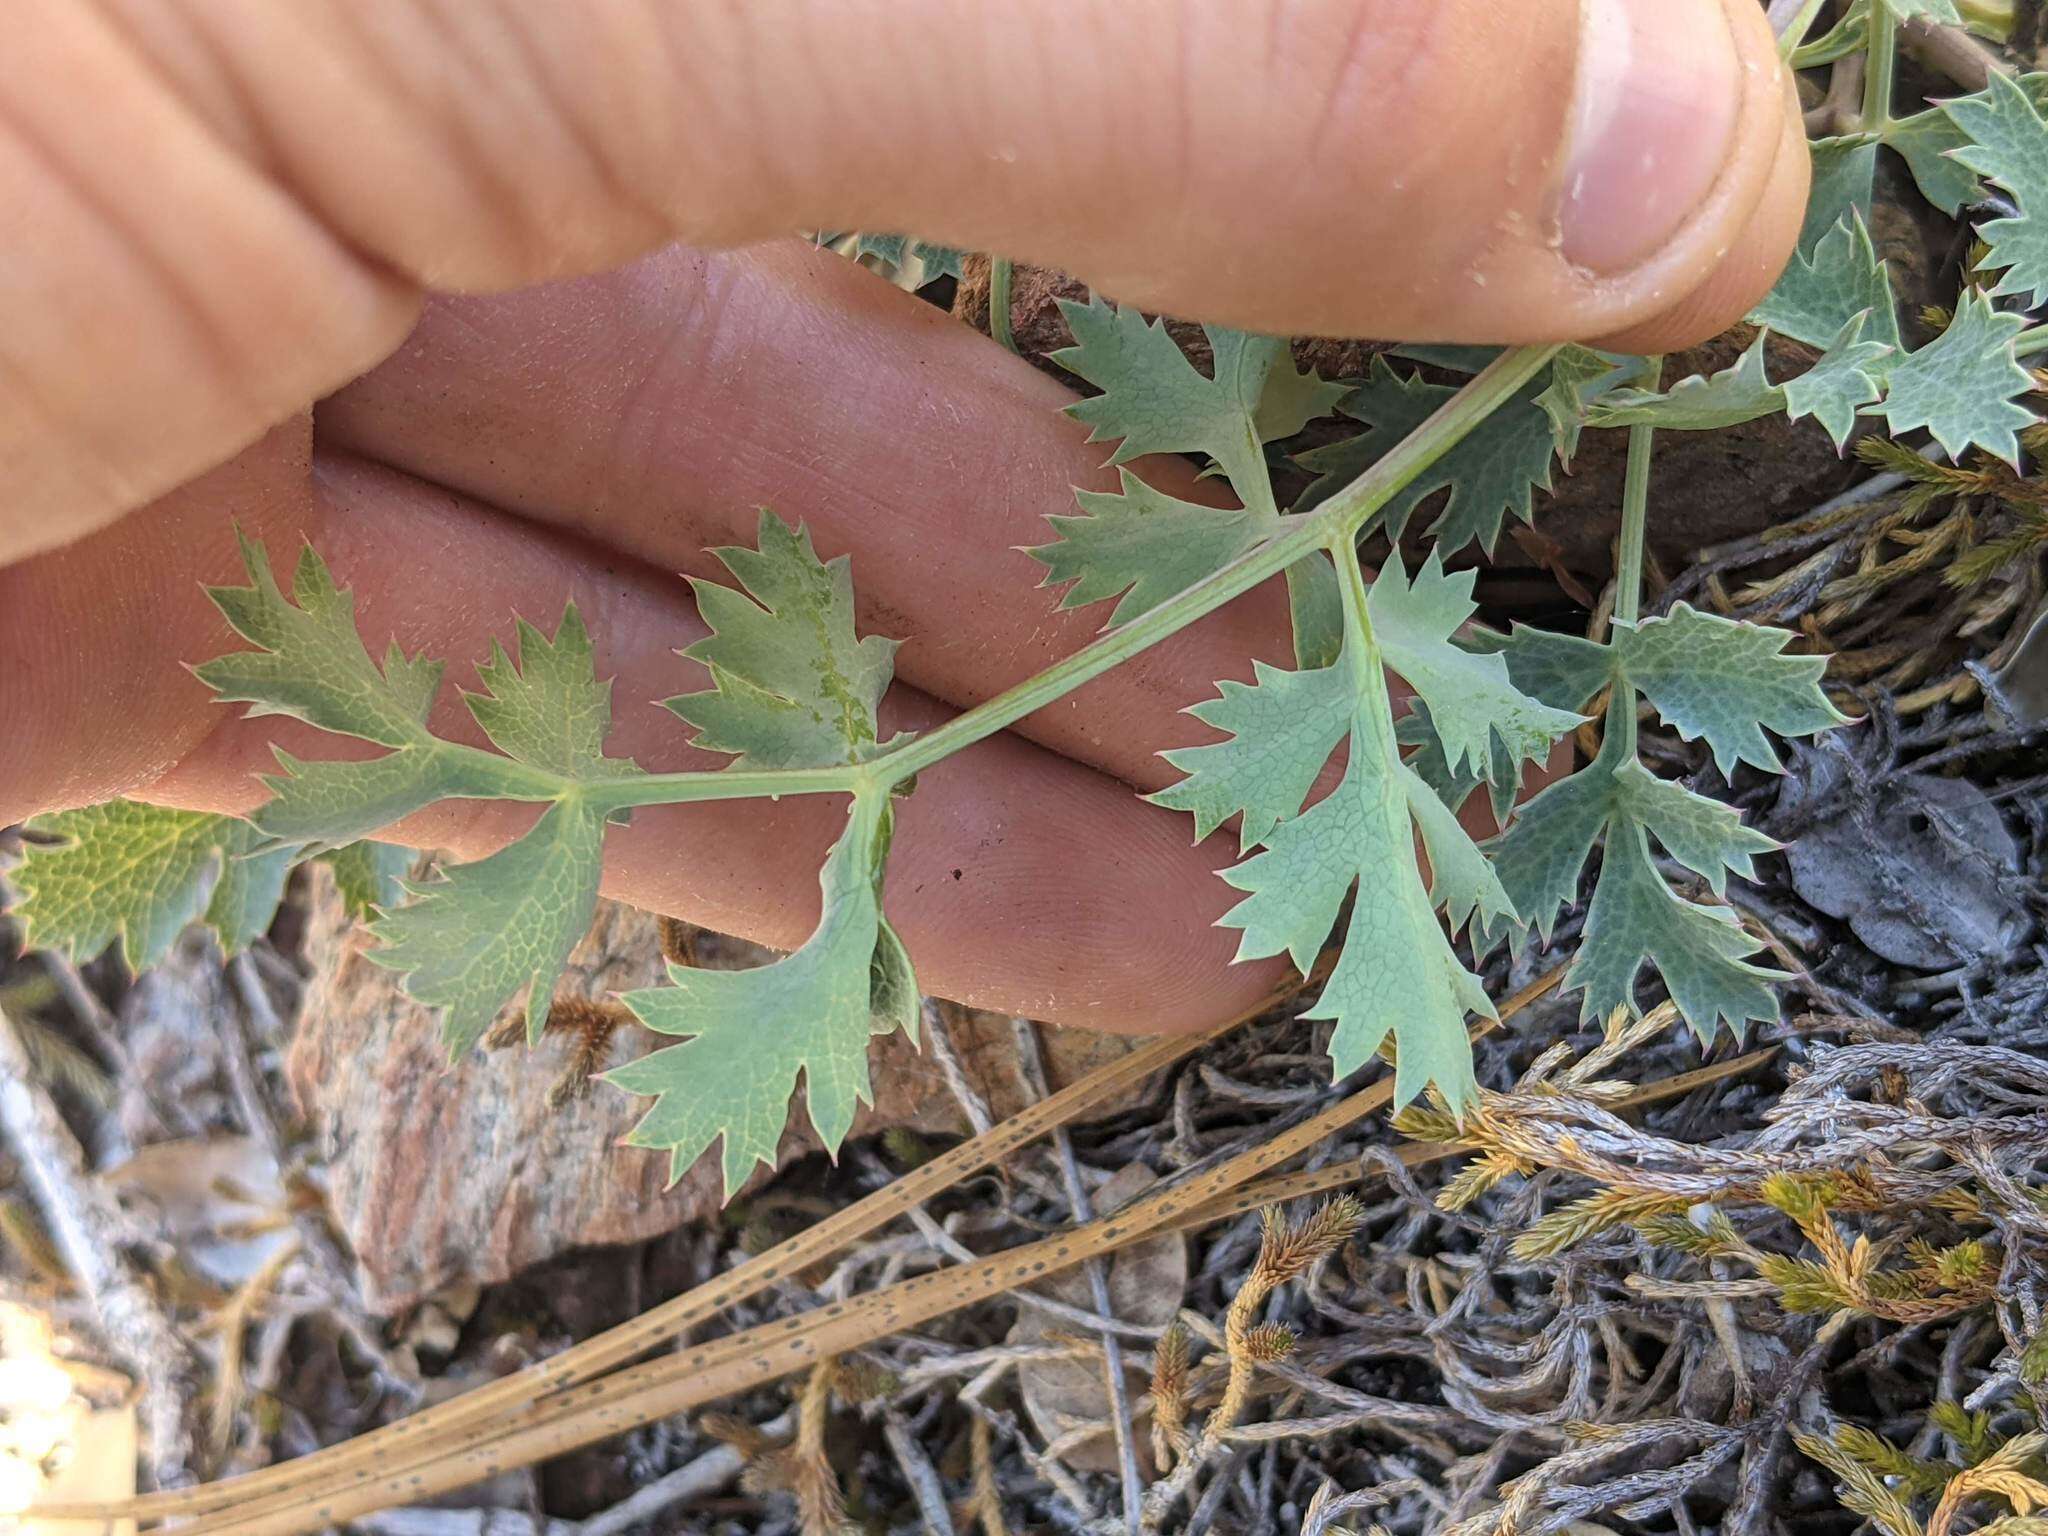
(655, 409)
(1752, 264)
(1021, 882)
(1461, 170)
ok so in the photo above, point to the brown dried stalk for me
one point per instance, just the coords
(1286, 1252)
(988, 1498)
(595, 1411)
(1999, 1474)
(580, 1416)
(805, 1468)
(1170, 1401)
(448, 1424)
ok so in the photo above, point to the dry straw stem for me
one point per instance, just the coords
(1287, 1251)
(804, 1468)
(581, 1415)
(2000, 1474)
(1244, 1352)
(1281, 1187)
(1867, 1490)
(442, 1426)
(1170, 1394)
(988, 1497)
(231, 1323)
(89, 1233)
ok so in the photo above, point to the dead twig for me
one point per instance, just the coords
(90, 1233)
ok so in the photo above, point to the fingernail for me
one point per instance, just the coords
(1652, 121)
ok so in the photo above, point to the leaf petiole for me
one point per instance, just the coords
(1881, 59)
(1628, 564)
(1342, 515)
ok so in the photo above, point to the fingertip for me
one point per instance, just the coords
(1654, 115)
(1752, 263)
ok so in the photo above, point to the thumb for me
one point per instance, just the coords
(247, 215)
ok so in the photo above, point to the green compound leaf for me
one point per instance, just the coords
(139, 874)
(368, 875)
(1819, 294)
(246, 900)
(549, 710)
(1701, 952)
(1723, 680)
(1399, 974)
(1964, 386)
(1844, 182)
(328, 804)
(915, 264)
(2007, 142)
(1848, 377)
(1283, 727)
(471, 941)
(1496, 469)
(486, 931)
(1849, 34)
(311, 664)
(1929, 140)
(1741, 392)
(1471, 697)
(1579, 378)
(1933, 10)
(1502, 778)
(1563, 671)
(1462, 882)
(754, 1032)
(792, 686)
(1542, 855)
(1156, 401)
(1712, 679)
(1144, 544)
(1704, 835)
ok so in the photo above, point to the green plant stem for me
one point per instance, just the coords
(1845, 37)
(1343, 514)
(1367, 665)
(1880, 68)
(1000, 271)
(1635, 500)
(1794, 35)
(2028, 342)
(1628, 562)
(1339, 518)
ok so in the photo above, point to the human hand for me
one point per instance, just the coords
(255, 205)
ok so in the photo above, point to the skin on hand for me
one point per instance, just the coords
(1626, 169)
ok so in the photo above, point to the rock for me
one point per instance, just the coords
(2020, 687)
(442, 1176)
(1923, 872)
